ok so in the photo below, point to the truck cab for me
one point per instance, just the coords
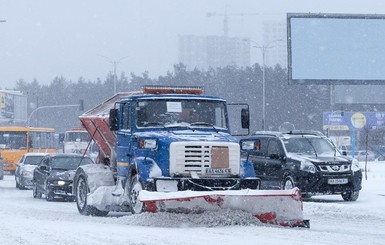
(178, 141)
(167, 139)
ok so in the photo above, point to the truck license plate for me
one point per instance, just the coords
(337, 181)
(218, 171)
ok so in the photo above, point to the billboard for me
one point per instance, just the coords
(13, 106)
(338, 49)
(353, 120)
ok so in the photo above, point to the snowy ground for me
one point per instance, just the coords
(25, 220)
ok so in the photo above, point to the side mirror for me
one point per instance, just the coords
(114, 120)
(245, 118)
(43, 168)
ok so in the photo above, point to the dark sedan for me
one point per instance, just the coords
(54, 175)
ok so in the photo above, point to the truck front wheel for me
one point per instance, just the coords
(136, 185)
(81, 189)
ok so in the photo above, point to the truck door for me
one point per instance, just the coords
(124, 134)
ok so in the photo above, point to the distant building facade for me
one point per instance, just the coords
(203, 52)
(275, 37)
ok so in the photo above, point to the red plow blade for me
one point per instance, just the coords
(279, 207)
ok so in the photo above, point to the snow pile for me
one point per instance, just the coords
(225, 217)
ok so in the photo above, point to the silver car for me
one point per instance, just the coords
(24, 169)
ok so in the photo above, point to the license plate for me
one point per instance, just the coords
(337, 181)
(218, 171)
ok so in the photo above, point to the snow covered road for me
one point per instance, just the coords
(25, 220)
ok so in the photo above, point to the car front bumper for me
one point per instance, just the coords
(60, 190)
(327, 183)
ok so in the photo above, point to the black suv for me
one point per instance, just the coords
(304, 159)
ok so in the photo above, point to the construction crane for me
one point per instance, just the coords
(226, 18)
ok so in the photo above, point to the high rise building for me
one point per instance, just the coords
(203, 52)
(274, 38)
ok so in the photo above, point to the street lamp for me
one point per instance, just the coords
(114, 63)
(263, 49)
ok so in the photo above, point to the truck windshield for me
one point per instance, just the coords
(180, 113)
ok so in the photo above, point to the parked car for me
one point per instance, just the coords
(365, 155)
(362, 155)
(54, 175)
(25, 168)
(1, 168)
(304, 159)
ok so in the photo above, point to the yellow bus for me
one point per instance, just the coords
(15, 141)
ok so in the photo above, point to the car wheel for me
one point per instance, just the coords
(36, 193)
(288, 183)
(19, 186)
(136, 185)
(350, 196)
(81, 192)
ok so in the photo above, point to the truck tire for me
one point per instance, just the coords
(81, 191)
(350, 196)
(136, 185)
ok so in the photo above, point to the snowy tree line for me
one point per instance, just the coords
(300, 105)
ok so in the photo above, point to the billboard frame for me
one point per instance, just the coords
(336, 81)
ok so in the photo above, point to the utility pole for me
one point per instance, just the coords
(263, 49)
(114, 63)
(80, 105)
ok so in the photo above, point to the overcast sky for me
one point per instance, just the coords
(79, 38)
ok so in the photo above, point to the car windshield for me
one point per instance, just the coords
(182, 113)
(308, 145)
(32, 160)
(69, 163)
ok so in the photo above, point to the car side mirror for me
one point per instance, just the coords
(43, 168)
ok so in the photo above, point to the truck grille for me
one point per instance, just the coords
(204, 158)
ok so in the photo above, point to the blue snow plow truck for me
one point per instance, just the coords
(170, 149)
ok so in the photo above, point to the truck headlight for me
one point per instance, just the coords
(147, 143)
(308, 167)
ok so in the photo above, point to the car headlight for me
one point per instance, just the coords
(308, 167)
(27, 174)
(61, 182)
(147, 144)
(355, 165)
